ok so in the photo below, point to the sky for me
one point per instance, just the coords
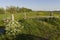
(33, 4)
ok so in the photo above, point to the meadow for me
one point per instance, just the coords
(35, 28)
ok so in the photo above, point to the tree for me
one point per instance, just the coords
(2, 11)
(24, 10)
(12, 9)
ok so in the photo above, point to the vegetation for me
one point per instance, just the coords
(34, 28)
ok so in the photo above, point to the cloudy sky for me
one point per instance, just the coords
(33, 4)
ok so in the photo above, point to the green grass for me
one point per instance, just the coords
(19, 16)
(42, 28)
(48, 28)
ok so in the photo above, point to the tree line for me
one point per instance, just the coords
(13, 9)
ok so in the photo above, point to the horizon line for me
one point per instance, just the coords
(29, 8)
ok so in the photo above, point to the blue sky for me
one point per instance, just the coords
(33, 4)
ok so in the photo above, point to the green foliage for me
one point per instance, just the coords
(42, 28)
(25, 10)
(2, 11)
(13, 9)
(48, 28)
